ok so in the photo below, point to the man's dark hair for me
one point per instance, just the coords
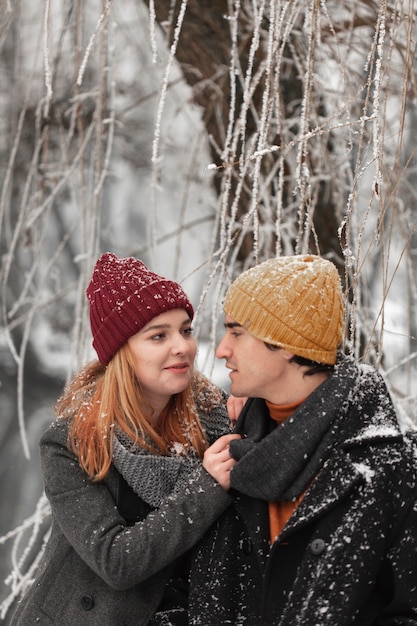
(313, 366)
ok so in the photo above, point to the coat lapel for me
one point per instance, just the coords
(337, 479)
(335, 482)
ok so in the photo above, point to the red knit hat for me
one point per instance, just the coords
(124, 295)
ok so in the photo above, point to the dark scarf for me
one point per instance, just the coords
(279, 465)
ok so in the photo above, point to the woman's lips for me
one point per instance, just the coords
(178, 367)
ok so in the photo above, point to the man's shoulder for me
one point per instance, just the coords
(392, 453)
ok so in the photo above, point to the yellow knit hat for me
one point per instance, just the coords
(293, 302)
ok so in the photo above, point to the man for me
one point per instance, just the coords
(323, 526)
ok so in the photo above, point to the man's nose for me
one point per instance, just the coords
(222, 350)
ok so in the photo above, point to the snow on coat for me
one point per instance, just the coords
(348, 554)
(110, 555)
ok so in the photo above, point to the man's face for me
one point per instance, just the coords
(256, 371)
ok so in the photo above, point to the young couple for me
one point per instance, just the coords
(305, 514)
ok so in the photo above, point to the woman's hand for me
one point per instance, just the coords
(234, 407)
(218, 462)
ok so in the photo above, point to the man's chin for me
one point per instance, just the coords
(236, 391)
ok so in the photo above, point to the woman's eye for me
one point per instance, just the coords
(188, 332)
(158, 337)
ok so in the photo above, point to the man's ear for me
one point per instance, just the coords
(286, 354)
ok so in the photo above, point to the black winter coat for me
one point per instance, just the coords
(348, 555)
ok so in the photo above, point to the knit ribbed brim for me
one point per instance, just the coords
(291, 302)
(124, 295)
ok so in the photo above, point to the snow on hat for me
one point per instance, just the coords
(293, 302)
(125, 295)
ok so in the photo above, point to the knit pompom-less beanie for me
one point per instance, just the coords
(124, 295)
(293, 302)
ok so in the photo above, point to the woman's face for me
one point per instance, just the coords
(163, 352)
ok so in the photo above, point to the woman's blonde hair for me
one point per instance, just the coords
(100, 397)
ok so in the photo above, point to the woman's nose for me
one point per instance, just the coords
(182, 345)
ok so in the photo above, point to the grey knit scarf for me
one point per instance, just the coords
(152, 477)
(280, 464)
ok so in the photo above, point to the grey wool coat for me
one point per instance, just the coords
(110, 555)
(348, 554)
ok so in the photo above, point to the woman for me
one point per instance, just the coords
(122, 463)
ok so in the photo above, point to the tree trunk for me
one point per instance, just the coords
(204, 53)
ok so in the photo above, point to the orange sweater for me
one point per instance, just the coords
(280, 512)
